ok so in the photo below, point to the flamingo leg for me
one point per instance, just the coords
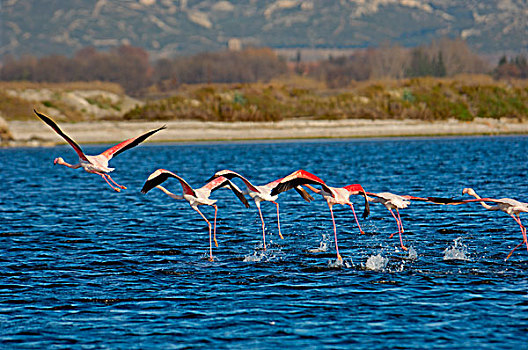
(355, 217)
(397, 222)
(115, 183)
(104, 177)
(278, 220)
(210, 240)
(263, 226)
(214, 231)
(400, 227)
(523, 231)
(335, 232)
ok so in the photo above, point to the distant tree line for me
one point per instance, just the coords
(130, 67)
(126, 65)
(442, 58)
(516, 67)
(245, 66)
(133, 70)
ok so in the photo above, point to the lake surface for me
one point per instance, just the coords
(85, 267)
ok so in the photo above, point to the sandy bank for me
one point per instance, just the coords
(36, 132)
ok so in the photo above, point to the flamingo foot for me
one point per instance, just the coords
(362, 232)
(116, 189)
(280, 235)
(210, 259)
(122, 187)
(393, 234)
(339, 258)
(404, 247)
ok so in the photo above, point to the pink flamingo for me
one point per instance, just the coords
(333, 195)
(262, 194)
(96, 164)
(196, 197)
(395, 201)
(510, 206)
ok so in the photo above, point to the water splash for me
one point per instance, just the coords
(457, 252)
(256, 257)
(412, 254)
(337, 264)
(376, 263)
(323, 246)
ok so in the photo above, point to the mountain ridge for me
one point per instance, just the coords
(166, 28)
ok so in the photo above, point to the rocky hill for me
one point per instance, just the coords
(175, 27)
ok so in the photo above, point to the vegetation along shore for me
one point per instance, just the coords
(280, 109)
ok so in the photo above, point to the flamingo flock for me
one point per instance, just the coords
(269, 192)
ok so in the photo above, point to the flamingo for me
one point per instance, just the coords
(394, 201)
(96, 164)
(262, 194)
(333, 195)
(510, 206)
(196, 197)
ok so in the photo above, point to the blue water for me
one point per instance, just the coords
(85, 267)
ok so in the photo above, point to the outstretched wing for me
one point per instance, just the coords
(229, 174)
(130, 143)
(56, 128)
(298, 178)
(160, 176)
(220, 182)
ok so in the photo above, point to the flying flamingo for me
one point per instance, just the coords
(196, 197)
(262, 194)
(510, 206)
(96, 164)
(394, 201)
(333, 195)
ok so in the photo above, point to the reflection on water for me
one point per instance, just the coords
(83, 266)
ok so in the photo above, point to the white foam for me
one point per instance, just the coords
(411, 253)
(256, 257)
(376, 263)
(457, 252)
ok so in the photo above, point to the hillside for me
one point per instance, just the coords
(167, 28)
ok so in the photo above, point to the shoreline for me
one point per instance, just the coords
(35, 133)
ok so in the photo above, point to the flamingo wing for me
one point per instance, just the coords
(298, 178)
(130, 143)
(358, 189)
(229, 174)
(56, 128)
(222, 181)
(160, 176)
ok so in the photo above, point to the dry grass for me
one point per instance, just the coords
(462, 97)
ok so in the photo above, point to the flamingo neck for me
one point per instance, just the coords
(484, 204)
(73, 166)
(169, 193)
(313, 188)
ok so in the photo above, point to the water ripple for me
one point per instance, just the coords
(84, 267)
